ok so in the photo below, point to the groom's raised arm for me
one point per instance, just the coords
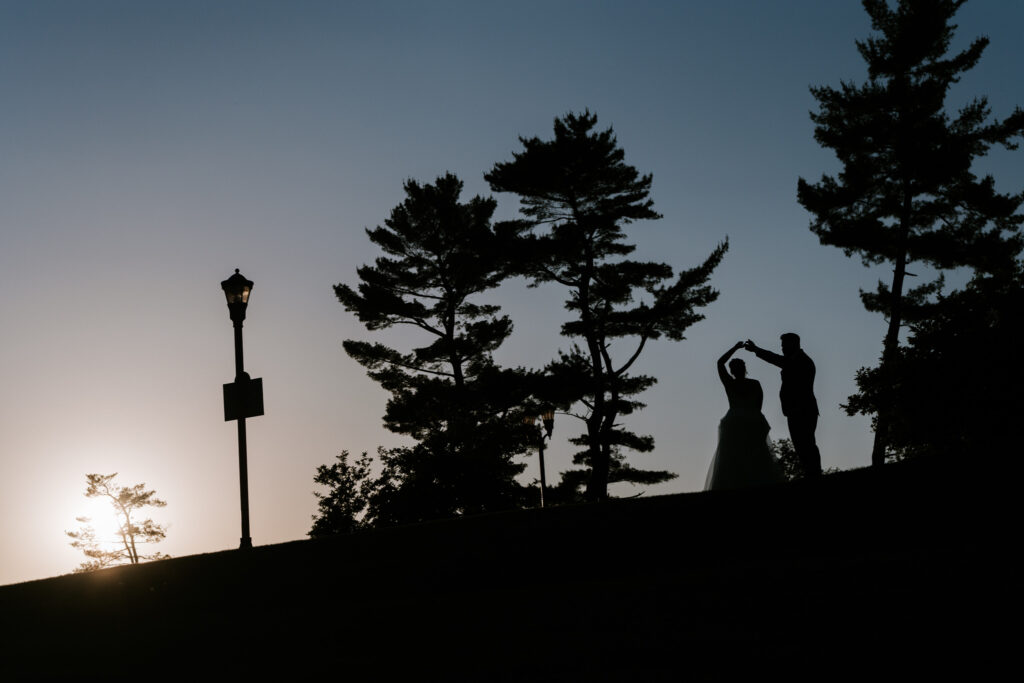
(764, 354)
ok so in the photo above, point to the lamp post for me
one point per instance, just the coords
(244, 397)
(548, 421)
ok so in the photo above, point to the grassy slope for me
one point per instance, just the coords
(902, 568)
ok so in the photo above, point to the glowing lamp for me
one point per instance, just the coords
(236, 291)
(548, 418)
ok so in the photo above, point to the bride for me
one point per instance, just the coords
(743, 457)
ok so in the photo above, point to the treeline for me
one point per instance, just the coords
(907, 193)
(470, 418)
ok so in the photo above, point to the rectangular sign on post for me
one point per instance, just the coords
(243, 399)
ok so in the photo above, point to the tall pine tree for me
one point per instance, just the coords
(954, 389)
(907, 192)
(577, 195)
(447, 394)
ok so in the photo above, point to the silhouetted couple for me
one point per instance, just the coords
(744, 457)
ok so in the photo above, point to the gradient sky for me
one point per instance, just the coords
(147, 149)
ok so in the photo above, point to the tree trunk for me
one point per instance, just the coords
(597, 483)
(892, 336)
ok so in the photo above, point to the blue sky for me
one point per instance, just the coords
(147, 149)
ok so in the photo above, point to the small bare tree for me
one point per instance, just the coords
(125, 501)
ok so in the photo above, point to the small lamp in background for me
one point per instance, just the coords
(548, 418)
(548, 421)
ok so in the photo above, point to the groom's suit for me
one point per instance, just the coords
(798, 404)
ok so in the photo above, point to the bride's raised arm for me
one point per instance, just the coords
(722, 374)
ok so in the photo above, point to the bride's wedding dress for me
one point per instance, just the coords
(743, 457)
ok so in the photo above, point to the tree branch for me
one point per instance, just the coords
(632, 359)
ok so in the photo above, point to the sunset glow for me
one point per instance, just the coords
(104, 521)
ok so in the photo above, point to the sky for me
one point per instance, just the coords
(147, 149)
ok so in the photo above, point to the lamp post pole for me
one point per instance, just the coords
(543, 434)
(243, 460)
(548, 420)
(236, 289)
(543, 480)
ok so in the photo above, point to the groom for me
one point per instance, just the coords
(797, 395)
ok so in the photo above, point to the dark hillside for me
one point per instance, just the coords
(903, 569)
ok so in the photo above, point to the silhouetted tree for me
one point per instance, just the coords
(343, 509)
(785, 453)
(448, 394)
(906, 192)
(792, 468)
(576, 195)
(124, 501)
(956, 388)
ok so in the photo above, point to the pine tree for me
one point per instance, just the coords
(906, 192)
(448, 394)
(131, 533)
(577, 194)
(954, 391)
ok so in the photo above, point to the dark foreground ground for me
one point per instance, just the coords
(882, 575)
